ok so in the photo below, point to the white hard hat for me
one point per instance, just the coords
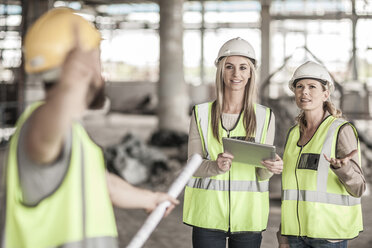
(312, 70)
(236, 46)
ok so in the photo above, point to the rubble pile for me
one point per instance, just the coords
(157, 163)
(168, 138)
(5, 135)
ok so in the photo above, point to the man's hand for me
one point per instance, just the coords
(81, 70)
(160, 197)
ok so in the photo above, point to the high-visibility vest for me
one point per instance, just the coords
(77, 214)
(236, 201)
(314, 202)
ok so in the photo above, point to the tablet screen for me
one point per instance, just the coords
(248, 152)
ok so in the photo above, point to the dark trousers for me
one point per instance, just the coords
(304, 242)
(205, 238)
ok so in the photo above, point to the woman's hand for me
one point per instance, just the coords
(275, 166)
(339, 162)
(224, 161)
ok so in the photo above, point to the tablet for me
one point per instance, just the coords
(248, 152)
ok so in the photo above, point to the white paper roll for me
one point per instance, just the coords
(175, 189)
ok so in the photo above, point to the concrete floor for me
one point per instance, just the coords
(171, 233)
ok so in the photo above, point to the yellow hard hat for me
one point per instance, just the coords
(51, 38)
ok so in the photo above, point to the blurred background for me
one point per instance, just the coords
(158, 61)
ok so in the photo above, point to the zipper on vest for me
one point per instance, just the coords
(229, 201)
(228, 136)
(298, 193)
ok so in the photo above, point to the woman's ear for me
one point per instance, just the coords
(325, 95)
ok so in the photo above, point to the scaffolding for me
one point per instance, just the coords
(10, 61)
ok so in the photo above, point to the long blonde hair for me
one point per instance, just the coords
(250, 96)
(327, 106)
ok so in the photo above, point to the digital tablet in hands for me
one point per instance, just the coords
(248, 152)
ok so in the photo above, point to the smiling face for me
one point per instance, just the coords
(237, 72)
(310, 94)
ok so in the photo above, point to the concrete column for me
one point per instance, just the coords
(172, 91)
(265, 39)
(354, 20)
(202, 32)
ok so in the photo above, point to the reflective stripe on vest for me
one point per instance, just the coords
(323, 166)
(321, 197)
(223, 185)
(260, 123)
(83, 203)
(203, 118)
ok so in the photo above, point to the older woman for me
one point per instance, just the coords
(322, 180)
(226, 200)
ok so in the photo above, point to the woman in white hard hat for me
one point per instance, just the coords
(322, 180)
(226, 200)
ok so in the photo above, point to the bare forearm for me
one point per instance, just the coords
(65, 102)
(124, 195)
(52, 120)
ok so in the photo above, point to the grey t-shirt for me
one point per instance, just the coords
(39, 181)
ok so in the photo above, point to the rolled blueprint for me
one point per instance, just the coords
(175, 189)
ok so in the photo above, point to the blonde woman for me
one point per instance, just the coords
(227, 201)
(322, 180)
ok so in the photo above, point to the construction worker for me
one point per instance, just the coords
(322, 179)
(58, 193)
(227, 200)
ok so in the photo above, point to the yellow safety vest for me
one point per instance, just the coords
(236, 201)
(314, 202)
(78, 214)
